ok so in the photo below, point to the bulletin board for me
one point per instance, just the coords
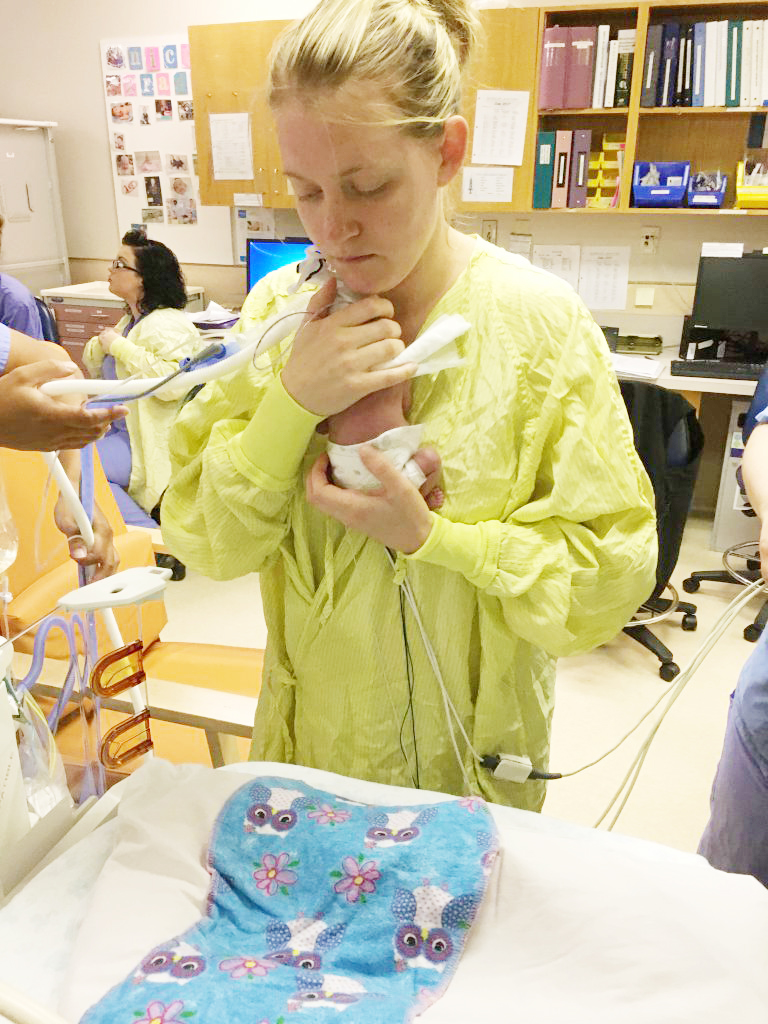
(147, 88)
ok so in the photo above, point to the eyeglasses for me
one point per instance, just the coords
(120, 264)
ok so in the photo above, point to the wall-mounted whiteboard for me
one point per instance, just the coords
(147, 90)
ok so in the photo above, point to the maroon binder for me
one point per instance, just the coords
(579, 65)
(552, 75)
(579, 172)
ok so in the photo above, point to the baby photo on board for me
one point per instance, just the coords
(113, 85)
(177, 164)
(118, 140)
(182, 211)
(181, 187)
(148, 161)
(152, 215)
(154, 192)
(121, 112)
(145, 115)
(124, 163)
(164, 110)
(186, 110)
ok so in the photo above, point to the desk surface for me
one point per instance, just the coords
(697, 385)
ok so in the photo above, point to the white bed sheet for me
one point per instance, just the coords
(578, 926)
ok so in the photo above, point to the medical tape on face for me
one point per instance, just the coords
(398, 444)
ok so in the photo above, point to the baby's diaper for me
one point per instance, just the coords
(398, 444)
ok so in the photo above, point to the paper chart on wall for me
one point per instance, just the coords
(231, 149)
(487, 184)
(604, 276)
(501, 116)
(561, 260)
(150, 112)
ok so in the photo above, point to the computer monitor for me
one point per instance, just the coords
(731, 293)
(266, 254)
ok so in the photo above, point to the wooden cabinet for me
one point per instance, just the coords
(711, 138)
(229, 75)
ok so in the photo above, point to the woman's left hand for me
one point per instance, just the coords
(106, 338)
(396, 515)
(103, 555)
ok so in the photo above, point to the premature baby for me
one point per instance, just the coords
(379, 420)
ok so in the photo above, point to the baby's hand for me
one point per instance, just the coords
(430, 463)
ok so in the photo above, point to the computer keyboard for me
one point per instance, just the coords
(715, 368)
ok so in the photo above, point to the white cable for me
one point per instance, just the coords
(672, 694)
(450, 710)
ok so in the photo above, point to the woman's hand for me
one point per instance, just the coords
(336, 359)
(103, 555)
(33, 421)
(106, 339)
(396, 515)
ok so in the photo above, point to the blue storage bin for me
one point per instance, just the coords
(672, 186)
(710, 197)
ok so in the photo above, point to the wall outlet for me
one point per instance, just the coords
(649, 239)
(489, 230)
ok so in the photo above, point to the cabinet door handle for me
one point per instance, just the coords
(26, 186)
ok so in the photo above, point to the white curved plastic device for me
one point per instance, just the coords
(131, 586)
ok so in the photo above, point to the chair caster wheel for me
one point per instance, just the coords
(689, 623)
(752, 633)
(668, 671)
(178, 569)
(690, 586)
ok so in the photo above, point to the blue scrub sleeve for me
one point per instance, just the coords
(5, 346)
(758, 409)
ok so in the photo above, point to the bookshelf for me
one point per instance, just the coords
(228, 66)
(711, 138)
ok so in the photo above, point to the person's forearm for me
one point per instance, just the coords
(754, 468)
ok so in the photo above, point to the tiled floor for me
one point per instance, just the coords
(599, 697)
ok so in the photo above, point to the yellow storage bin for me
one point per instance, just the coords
(749, 197)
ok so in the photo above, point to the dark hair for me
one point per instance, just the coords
(160, 272)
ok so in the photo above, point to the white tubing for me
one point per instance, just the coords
(83, 524)
(70, 497)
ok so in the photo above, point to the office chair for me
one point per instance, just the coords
(748, 552)
(669, 441)
(48, 321)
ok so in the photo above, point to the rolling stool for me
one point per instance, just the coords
(732, 572)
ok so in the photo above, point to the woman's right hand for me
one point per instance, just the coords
(336, 359)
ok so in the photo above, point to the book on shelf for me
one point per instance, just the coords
(745, 70)
(722, 63)
(670, 46)
(699, 64)
(554, 50)
(733, 66)
(561, 173)
(685, 94)
(601, 65)
(651, 66)
(711, 58)
(579, 172)
(610, 73)
(579, 66)
(624, 59)
(545, 163)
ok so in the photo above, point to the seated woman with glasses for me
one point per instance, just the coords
(149, 341)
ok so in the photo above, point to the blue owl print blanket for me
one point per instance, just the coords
(319, 909)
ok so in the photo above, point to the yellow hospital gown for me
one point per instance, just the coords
(153, 348)
(545, 545)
